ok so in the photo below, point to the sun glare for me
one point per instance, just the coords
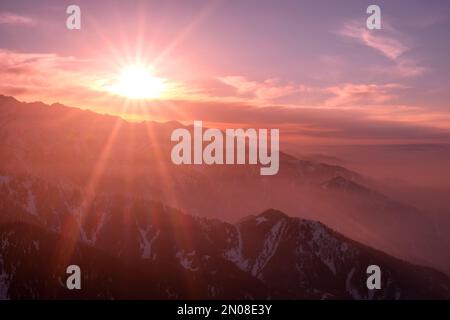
(137, 82)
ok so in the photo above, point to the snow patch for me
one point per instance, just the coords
(270, 247)
(212, 291)
(4, 281)
(31, 201)
(146, 244)
(186, 259)
(326, 244)
(260, 220)
(99, 227)
(234, 254)
(349, 288)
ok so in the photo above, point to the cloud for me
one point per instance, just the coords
(16, 20)
(404, 68)
(265, 91)
(271, 92)
(385, 42)
(37, 69)
(361, 94)
(330, 124)
(50, 77)
(386, 45)
(44, 76)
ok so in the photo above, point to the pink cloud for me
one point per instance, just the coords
(343, 95)
(50, 77)
(15, 19)
(387, 45)
(43, 76)
(265, 91)
(405, 68)
(361, 94)
(386, 42)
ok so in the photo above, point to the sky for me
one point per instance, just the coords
(311, 68)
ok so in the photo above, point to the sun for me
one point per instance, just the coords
(138, 82)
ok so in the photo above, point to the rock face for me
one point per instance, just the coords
(134, 248)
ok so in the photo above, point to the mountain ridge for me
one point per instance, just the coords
(286, 257)
(64, 146)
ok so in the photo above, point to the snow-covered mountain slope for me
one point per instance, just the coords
(289, 253)
(269, 255)
(33, 265)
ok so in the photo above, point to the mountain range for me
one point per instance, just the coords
(97, 191)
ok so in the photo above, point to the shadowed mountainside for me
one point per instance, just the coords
(135, 248)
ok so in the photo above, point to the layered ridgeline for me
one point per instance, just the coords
(107, 155)
(129, 247)
(72, 157)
